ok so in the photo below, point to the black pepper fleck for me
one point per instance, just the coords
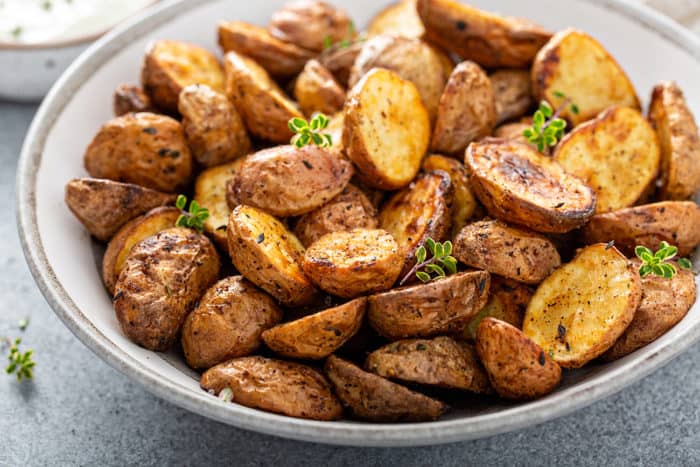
(260, 238)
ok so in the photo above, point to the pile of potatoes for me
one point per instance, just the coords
(290, 298)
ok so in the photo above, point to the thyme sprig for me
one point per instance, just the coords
(657, 262)
(438, 266)
(310, 132)
(194, 217)
(20, 363)
(547, 128)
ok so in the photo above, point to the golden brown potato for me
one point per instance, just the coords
(104, 206)
(319, 335)
(512, 91)
(517, 367)
(616, 154)
(170, 66)
(373, 398)
(311, 24)
(580, 310)
(131, 98)
(398, 19)
(507, 302)
(339, 60)
(518, 184)
(353, 263)
(386, 129)
(678, 139)
(265, 109)
(444, 306)
(163, 278)
(316, 90)
(275, 386)
(577, 66)
(514, 253)
(143, 148)
(213, 128)
(268, 255)
(227, 323)
(467, 110)
(675, 222)
(130, 234)
(289, 181)
(490, 40)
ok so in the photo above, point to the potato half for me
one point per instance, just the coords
(512, 92)
(311, 24)
(507, 302)
(316, 90)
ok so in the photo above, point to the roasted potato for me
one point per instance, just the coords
(511, 89)
(511, 252)
(576, 66)
(104, 206)
(678, 140)
(319, 335)
(583, 307)
(316, 90)
(398, 19)
(354, 262)
(311, 24)
(131, 98)
(265, 109)
(490, 40)
(386, 130)
(675, 222)
(170, 66)
(507, 302)
(213, 128)
(268, 255)
(289, 181)
(142, 148)
(130, 234)
(518, 184)
(444, 306)
(275, 386)
(163, 278)
(339, 60)
(513, 131)
(616, 154)
(518, 368)
(373, 398)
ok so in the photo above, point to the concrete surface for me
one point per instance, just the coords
(80, 411)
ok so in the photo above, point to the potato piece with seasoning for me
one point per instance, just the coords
(507, 302)
(311, 24)
(316, 90)
(131, 98)
(511, 89)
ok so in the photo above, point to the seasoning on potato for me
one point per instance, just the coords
(512, 92)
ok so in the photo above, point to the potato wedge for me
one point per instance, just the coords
(276, 386)
(386, 129)
(373, 398)
(352, 263)
(577, 66)
(444, 306)
(319, 335)
(131, 98)
(490, 40)
(398, 19)
(617, 154)
(268, 255)
(678, 139)
(311, 24)
(104, 206)
(507, 302)
(518, 368)
(511, 252)
(518, 184)
(339, 60)
(316, 90)
(511, 89)
(580, 310)
(675, 222)
(170, 66)
(130, 234)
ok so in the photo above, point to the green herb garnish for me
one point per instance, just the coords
(226, 394)
(547, 128)
(16, 32)
(23, 323)
(309, 132)
(194, 218)
(21, 363)
(437, 267)
(656, 263)
(343, 43)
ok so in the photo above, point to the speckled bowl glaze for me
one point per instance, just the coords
(64, 260)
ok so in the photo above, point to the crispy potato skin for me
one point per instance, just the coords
(582, 308)
(352, 263)
(514, 253)
(310, 23)
(675, 222)
(678, 139)
(170, 66)
(517, 184)
(373, 398)
(507, 302)
(467, 110)
(163, 278)
(268, 255)
(578, 66)
(398, 19)
(490, 40)
(319, 335)
(227, 323)
(276, 386)
(512, 93)
(142, 148)
(339, 61)
(444, 306)
(289, 181)
(104, 206)
(664, 303)
(517, 367)
(213, 128)
(316, 90)
(131, 98)
(387, 129)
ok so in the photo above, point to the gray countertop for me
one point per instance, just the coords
(80, 411)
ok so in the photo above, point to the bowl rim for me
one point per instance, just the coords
(340, 433)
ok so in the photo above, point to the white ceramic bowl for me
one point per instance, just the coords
(62, 259)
